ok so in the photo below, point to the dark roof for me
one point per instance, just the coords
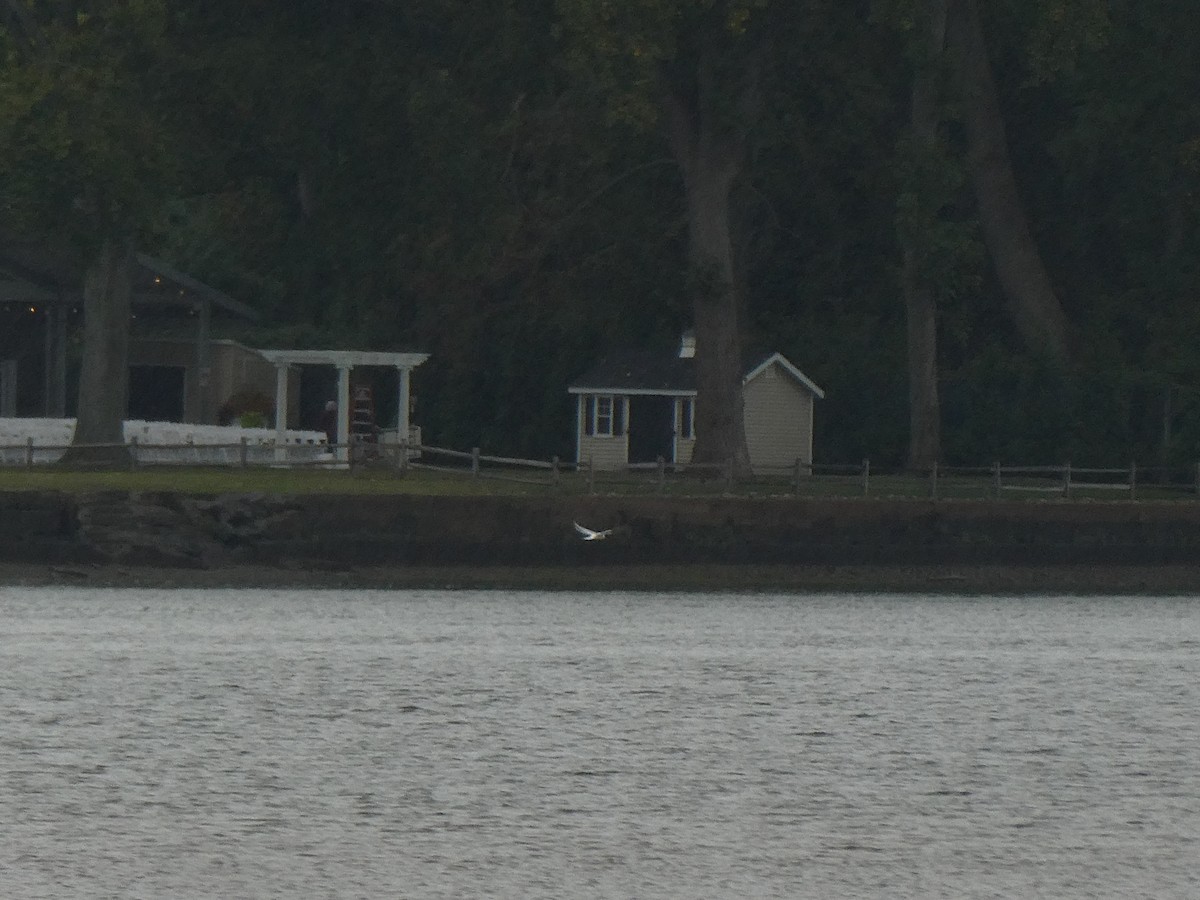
(36, 271)
(639, 370)
(647, 372)
(153, 272)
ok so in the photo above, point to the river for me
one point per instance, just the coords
(234, 743)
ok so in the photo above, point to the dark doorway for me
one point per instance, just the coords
(651, 429)
(318, 385)
(156, 393)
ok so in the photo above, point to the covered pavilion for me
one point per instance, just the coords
(49, 283)
(344, 361)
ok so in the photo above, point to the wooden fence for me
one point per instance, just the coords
(804, 479)
(799, 479)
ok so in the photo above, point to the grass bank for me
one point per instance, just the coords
(428, 481)
(200, 480)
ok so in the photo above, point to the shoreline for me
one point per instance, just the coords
(978, 580)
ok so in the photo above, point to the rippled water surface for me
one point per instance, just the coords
(469, 744)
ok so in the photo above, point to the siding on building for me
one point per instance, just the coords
(236, 367)
(606, 453)
(778, 409)
(233, 367)
(683, 450)
(684, 445)
(778, 417)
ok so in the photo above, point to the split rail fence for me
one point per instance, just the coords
(805, 479)
(996, 481)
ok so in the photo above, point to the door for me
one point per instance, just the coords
(651, 429)
(8, 387)
(156, 393)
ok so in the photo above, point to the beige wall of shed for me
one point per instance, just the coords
(683, 450)
(778, 417)
(606, 453)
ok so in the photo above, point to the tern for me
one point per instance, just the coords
(588, 535)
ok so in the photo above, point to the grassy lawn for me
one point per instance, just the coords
(424, 481)
(254, 480)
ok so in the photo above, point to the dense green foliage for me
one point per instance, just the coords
(465, 179)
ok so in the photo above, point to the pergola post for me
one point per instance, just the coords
(343, 413)
(402, 423)
(281, 408)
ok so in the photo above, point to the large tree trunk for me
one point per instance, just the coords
(710, 163)
(1033, 305)
(104, 375)
(920, 304)
(720, 418)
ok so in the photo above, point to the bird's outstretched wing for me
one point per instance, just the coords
(588, 535)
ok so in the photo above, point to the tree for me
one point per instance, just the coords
(1033, 304)
(924, 409)
(697, 67)
(84, 159)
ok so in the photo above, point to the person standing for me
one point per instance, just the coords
(328, 422)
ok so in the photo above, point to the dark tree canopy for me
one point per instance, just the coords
(978, 254)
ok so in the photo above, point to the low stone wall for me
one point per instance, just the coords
(164, 529)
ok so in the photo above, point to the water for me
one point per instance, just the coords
(489, 744)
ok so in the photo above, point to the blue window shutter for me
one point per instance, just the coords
(589, 415)
(619, 415)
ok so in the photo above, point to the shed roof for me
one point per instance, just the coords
(647, 373)
(638, 372)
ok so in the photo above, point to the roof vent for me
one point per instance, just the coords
(687, 345)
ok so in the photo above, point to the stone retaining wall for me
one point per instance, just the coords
(164, 529)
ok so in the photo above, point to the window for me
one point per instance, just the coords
(687, 416)
(603, 415)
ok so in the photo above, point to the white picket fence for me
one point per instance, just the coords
(43, 441)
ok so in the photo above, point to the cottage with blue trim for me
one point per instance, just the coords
(634, 407)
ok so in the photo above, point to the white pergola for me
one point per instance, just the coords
(343, 361)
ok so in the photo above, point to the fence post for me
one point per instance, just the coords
(402, 462)
(474, 462)
(1067, 480)
(1132, 480)
(866, 478)
(933, 480)
(662, 473)
(796, 477)
(133, 452)
(729, 476)
(554, 463)
(244, 452)
(591, 467)
(29, 457)
(996, 488)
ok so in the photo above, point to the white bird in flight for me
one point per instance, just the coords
(588, 535)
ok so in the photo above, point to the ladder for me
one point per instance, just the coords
(362, 416)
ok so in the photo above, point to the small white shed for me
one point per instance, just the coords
(634, 407)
